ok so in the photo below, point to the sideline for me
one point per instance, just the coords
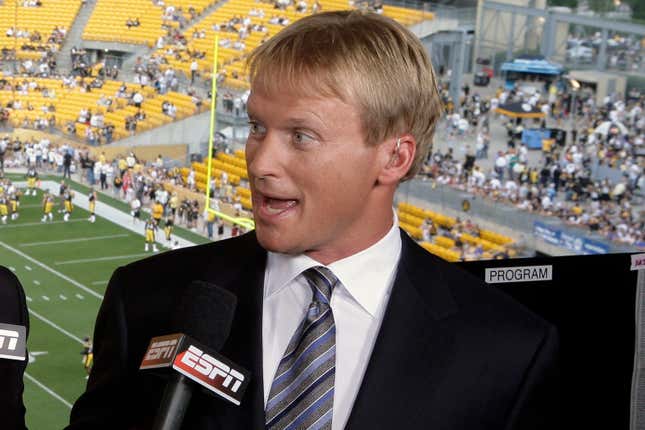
(36, 224)
(78, 239)
(112, 214)
(114, 257)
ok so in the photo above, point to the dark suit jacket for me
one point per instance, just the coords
(451, 353)
(13, 310)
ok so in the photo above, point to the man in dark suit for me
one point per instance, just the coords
(13, 312)
(342, 319)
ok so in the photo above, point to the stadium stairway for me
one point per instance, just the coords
(127, 68)
(73, 37)
(205, 13)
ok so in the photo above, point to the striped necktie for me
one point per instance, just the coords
(302, 392)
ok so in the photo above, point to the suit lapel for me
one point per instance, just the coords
(412, 347)
(244, 345)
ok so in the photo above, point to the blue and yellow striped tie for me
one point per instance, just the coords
(302, 392)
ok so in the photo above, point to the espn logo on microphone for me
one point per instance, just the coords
(212, 371)
(13, 341)
(161, 351)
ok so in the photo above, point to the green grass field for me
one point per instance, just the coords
(64, 269)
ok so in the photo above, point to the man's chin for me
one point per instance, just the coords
(276, 242)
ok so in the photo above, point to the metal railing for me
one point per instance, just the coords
(465, 15)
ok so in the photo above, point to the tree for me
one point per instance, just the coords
(567, 3)
(638, 8)
(601, 6)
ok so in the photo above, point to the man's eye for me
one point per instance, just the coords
(254, 128)
(301, 138)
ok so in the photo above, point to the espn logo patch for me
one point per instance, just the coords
(499, 275)
(13, 342)
(161, 351)
(638, 262)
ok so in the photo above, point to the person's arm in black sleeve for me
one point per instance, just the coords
(537, 405)
(13, 310)
(104, 402)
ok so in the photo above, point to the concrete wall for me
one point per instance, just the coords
(561, 35)
(499, 217)
(192, 131)
(496, 30)
(604, 86)
(145, 152)
(428, 27)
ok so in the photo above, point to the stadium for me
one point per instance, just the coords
(123, 127)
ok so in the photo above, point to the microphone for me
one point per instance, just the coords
(204, 314)
(13, 342)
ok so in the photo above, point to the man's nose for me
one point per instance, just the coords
(265, 159)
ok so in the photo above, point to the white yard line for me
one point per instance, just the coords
(48, 390)
(33, 224)
(55, 272)
(31, 205)
(78, 239)
(56, 326)
(100, 282)
(90, 260)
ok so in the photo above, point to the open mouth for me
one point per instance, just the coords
(272, 206)
(275, 206)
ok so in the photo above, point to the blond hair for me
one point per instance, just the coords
(365, 60)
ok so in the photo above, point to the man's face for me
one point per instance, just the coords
(312, 176)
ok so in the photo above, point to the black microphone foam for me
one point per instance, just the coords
(205, 312)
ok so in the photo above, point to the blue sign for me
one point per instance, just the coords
(564, 239)
(532, 137)
(539, 67)
(547, 233)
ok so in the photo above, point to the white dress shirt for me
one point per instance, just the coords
(358, 306)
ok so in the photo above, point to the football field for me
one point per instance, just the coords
(64, 268)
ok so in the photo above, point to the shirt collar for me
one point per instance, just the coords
(367, 287)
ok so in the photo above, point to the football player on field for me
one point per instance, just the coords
(157, 212)
(32, 178)
(92, 204)
(14, 203)
(48, 205)
(151, 228)
(4, 209)
(68, 195)
(168, 227)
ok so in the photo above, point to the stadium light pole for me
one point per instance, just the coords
(457, 66)
(575, 86)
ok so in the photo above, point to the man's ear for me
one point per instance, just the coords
(397, 156)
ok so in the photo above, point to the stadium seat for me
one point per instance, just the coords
(230, 61)
(43, 19)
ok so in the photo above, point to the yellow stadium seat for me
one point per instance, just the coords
(444, 242)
